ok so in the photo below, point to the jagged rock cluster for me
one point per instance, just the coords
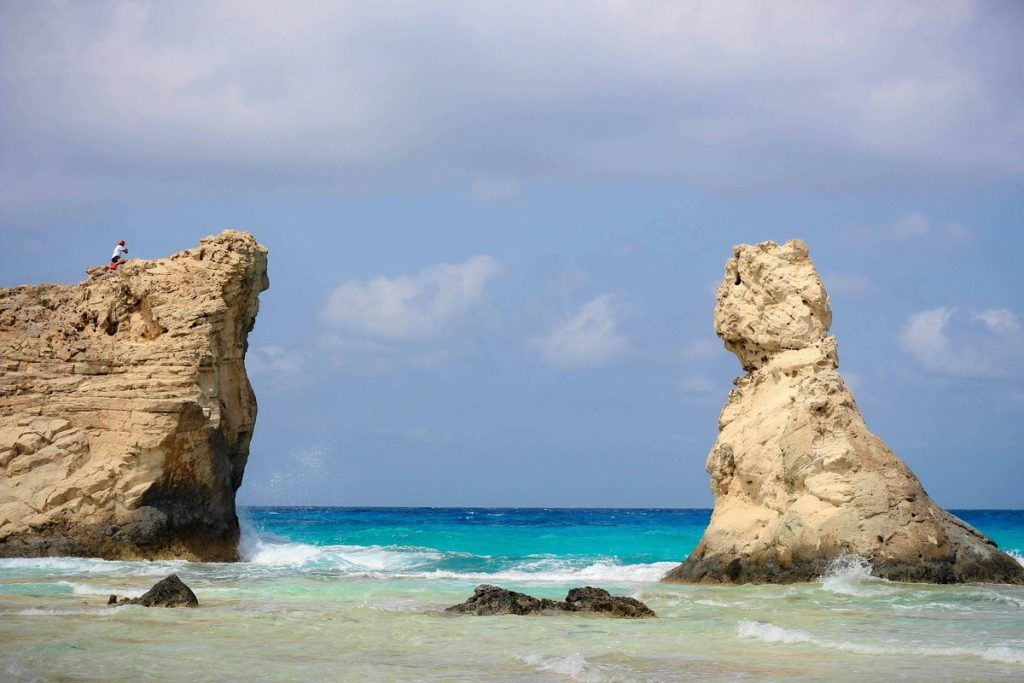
(490, 600)
(125, 409)
(798, 478)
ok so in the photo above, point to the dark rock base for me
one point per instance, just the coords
(999, 568)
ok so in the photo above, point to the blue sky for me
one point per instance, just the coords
(495, 228)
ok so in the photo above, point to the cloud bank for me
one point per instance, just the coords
(101, 97)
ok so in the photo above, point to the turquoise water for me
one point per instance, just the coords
(357, 594)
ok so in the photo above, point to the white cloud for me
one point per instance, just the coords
(588, 339)
(369, 315)
(965, 351)
(999, 320)
(910, 226)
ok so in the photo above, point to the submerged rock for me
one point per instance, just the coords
(169, 592)
(798, 478)
(490, 600)
(125, 408)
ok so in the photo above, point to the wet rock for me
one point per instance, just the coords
(598, 600)
(169, 592)
(490, 600)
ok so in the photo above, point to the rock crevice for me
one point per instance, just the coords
(798, 478)
(125, 409)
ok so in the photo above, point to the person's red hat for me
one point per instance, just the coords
(121, 243)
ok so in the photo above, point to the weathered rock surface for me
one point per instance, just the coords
(169, 592)
(798, 478)
(491, 600)
(125, 409)
(598, 600)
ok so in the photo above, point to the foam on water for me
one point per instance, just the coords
(850, 575)
(771, 633)
(595, 573)
(55, 612)
(1016, 554)
(412, 562)
(574, 667)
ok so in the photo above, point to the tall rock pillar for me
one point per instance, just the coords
(798, 478)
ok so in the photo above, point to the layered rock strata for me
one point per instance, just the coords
(125, 409)
(798, 478)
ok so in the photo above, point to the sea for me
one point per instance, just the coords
(358, 594)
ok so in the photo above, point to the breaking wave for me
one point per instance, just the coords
(770, 633)
(850, 575)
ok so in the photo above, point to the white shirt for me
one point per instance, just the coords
(120, 250)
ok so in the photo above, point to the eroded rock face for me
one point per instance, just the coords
(125, 409)
(798, 478)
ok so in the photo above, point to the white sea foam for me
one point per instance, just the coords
(91, 589)
(595, 573)
(850, 575)
(411, 562)
(575, 667)
(348, 559)
(1016, 554)
(46, 612)
(64, 566)
(770, 633)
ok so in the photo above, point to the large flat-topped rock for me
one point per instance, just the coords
(798, 478)
(125, 409)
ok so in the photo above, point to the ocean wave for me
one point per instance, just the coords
(265, 553)
(1016, 554)
(597, 572)
(850, 575)
(575, 667)
(58, 612)
(771, 633)
(64, 566)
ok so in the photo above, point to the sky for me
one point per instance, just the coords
(496, 228)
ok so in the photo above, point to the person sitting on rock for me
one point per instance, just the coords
(120, 252)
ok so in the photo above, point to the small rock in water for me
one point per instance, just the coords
(598, 600)
(112, 600)
(488, 600)
(169, 592)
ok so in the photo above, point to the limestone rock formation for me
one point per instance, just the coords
(798, 479)
(490, 600)
(125, 409)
